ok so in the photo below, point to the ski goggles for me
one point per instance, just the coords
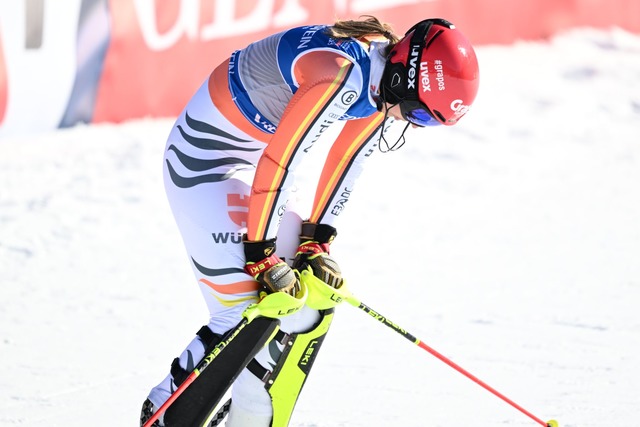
(417, 113)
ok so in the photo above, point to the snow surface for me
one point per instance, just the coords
(510, 243)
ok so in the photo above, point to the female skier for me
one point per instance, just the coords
(229, 168)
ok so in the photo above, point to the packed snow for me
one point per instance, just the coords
(510, 243)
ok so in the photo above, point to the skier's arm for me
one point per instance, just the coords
(343, 166)
(317, 103)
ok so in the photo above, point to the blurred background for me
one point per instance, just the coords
(96, 61)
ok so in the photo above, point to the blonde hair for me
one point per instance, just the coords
(369, 26)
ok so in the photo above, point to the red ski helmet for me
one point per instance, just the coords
(432, 73)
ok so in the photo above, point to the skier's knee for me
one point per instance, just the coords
(182, 366)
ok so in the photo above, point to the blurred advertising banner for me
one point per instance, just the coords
(64, 62)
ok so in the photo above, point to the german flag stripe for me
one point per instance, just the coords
(233, 288)
(290, 150)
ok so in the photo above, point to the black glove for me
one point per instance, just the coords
(266, 268)
(314, 252)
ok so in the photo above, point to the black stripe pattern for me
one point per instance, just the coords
(210, 139)
(213, 272)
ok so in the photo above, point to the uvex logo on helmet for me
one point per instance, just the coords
(424, 76)
(425, 79)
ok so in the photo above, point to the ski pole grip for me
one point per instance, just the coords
(276, 305)
(321, 295)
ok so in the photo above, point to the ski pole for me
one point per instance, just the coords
(384, 320)
(275, 305)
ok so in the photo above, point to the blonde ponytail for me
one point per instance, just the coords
(370, 26)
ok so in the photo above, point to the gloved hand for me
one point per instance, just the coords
(314, 252)
(271, 272)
